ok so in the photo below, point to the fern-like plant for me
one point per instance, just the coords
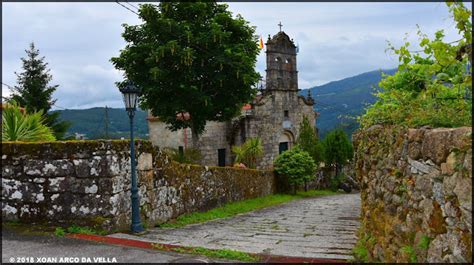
(188, 156)
(249, 152)
(18, 126)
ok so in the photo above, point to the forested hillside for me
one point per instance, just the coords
(334, 101)
(92, 122)
(347, 97)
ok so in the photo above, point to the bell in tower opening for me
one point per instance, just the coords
(281, 63)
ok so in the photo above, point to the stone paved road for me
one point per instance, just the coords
(322, 227)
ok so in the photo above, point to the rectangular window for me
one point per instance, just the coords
(283, 147)
(221, 157)
(286, 114)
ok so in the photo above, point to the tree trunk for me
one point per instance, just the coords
(305, 186)
(195, 139)
(294, 188)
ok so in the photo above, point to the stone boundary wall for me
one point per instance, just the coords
(88, 183)
(416, 191)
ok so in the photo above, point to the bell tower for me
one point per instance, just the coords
(281, 63)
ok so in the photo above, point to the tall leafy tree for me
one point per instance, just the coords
(337, 149)
(34, 92)
(308, 140)
(193, 58)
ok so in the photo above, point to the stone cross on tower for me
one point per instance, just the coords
(280, 25)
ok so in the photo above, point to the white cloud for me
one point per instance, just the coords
(337, 40)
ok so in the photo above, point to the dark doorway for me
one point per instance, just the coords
(221, 157)
(283, 147)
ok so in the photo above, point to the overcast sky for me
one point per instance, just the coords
(336, 40)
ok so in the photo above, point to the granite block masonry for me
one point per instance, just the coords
(88, 183)
(416, 193)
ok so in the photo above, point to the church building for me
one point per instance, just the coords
(274, 115)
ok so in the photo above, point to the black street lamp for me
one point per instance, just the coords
(130, 97)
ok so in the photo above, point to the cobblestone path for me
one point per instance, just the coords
(321, 227)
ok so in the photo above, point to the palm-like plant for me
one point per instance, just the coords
(249, 152)
(18, 126)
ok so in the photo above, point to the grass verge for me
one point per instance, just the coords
(74, 229)
(35, 229)
(244, 206)
(212, 253)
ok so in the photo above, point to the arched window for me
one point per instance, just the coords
(285, 142)
(277, 59)
(288, 60)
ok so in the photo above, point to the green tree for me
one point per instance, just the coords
(27, 127)
(308, 140)
(249, 152)
(34, 93)
(191, 58)
(433, 86)
(296, 166)
(337, 149)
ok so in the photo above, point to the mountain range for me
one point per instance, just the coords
(97, 123)
(336, 103)
(339, 102)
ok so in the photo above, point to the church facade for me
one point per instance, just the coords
(274, 115)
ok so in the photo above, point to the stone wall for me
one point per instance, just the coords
(416, 190)
(212, 139)
(88, 183)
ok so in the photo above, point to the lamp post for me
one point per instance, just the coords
(130, 97)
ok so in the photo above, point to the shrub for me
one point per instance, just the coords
(336, 182)
(18, 126)
(296, 165)
(249, 152)
(433, 87)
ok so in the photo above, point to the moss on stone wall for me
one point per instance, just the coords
(88, 182)
(208, 187)
(415, 184)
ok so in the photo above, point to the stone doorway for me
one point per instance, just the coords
(285, 142)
